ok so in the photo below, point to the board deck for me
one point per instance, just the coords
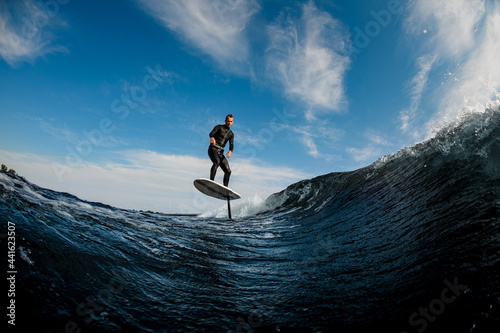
(214, 189)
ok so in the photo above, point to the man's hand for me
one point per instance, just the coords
(229, 154)
(212, 141)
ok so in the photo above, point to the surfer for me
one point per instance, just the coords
(219, 136)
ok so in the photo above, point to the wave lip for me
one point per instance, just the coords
(474, 136)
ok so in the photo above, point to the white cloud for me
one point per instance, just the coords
(311, 146)
(148, 180)
(377, 139)
(417, 86)
(309, 136)
(25, 30)
(75, 139)
(307, 56)
(216, 27)
(374, 148)
(60, 132)
(364, 154)
(450, 24)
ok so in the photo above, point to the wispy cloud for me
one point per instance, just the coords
(364, 154)
(312, 136)
(25, 31)
(73, 138)
(60, 132)
(216, 27)
(417, 86)
(375, 147)
(307, 56)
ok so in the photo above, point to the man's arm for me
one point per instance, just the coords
(231, 145)
(212, 134)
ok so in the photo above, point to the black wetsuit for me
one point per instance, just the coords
(222, 134)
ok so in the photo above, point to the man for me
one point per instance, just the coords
(219, 136)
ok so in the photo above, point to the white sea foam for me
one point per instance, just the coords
(23, 252)
(240, 208)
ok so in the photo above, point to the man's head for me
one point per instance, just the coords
(229, 120)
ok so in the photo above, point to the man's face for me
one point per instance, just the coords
(229, 122)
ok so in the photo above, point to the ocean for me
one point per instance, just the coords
(410, 243)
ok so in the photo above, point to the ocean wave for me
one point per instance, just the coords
(410, 243)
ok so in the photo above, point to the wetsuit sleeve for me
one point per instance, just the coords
(215, 130)
(231, 141)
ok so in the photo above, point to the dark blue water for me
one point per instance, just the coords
(410, 243)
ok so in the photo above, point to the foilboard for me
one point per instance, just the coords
(216, 190)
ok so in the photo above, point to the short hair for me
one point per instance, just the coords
(229, 116)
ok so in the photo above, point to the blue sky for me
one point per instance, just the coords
(113, 100)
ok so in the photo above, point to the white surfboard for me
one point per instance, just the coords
(216, 190)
